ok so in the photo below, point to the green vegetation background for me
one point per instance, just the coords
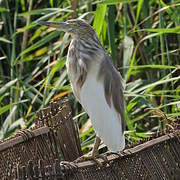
(141, 36)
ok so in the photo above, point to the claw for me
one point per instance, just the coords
(94, 155)
(94, 158)
(90, 158)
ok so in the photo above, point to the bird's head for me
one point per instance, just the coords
(76, 27)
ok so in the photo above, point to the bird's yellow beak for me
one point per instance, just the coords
(64, 26)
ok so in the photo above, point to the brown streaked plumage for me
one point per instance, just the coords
(95, 82)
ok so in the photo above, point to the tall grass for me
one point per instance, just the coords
(141, 36)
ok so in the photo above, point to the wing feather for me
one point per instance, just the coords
(113, 88)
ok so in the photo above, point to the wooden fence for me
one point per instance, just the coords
(48, 151)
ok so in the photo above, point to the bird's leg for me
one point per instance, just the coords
(94, 154)
(95, 151)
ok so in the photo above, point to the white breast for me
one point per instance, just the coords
(104, 119)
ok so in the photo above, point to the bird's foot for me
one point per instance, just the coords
(96, 158)
(114, 153)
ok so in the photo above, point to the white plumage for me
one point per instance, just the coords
(104, 118)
